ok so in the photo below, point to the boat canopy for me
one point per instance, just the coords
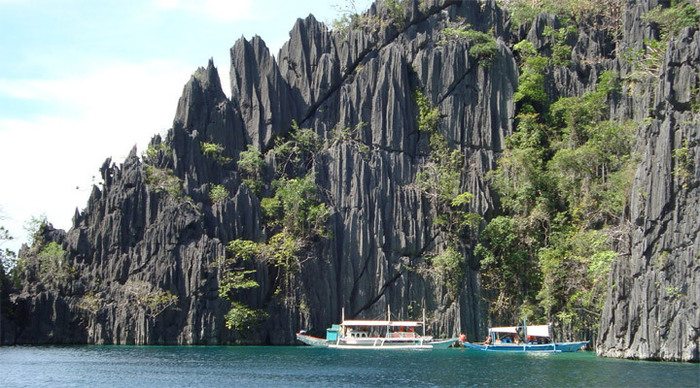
(535, 330)
(505, 329)
(382, 323)
(538, 330)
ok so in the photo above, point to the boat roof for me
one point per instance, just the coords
(533, 330)
(356, 322)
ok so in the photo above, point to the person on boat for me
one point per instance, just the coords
(462, 338)
(487, 341)
(516, 339)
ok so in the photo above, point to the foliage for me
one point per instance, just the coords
(449, 265)
(647, 62)
(218, 194)
(395, 10)
(250, 164)
(215, 151)
(236, 280)
(508, 268)
(531, 94)
(296, 207)
(684, 164)
(352, 135)
(561, 51)
(8, 258)
(673, 19)
(428, 116)
(603, 14)
(162, 180)
(481, 45)
(575, 268)
(439, 176)
(242, 318)
(91, 303)
(283, 251)
(148, 297)
(296, 154)
(563, 182)
(234, 276)
(154, 152)
(52, 267)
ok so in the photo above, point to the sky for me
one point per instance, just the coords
(83, 80)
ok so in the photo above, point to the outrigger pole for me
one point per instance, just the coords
(423, 321)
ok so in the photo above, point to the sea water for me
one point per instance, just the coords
(241, 366)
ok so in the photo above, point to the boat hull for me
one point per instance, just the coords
(557, 347)
(443, 343)
(312, 341)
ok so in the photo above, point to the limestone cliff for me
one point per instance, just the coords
(151, 233)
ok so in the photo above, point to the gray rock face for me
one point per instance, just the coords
(134, 235)
(652, 307)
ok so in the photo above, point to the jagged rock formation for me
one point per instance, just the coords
(137, 236)
(380, 224)
(652, 308)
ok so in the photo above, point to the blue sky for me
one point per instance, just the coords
(83, 80)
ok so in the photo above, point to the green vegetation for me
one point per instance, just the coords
(151, 299)
(250, 164)
(449, 265)
(91, 303)
(154, 151)
(604, 14)
(396, 10)
(294, 155)
(236, 279)
(684, 164)
(647, 62)
(439, 179)
(481, 45)
(218, 194)
(672, 20)
(296, 208)
(563, 181)
(52, 267)
(561, 51)
(215, 151)
(242, 318)
(350, 135)
(162, 180)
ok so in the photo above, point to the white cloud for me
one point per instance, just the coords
(220, 10)
(48, 161)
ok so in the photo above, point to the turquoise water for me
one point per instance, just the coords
(135, 366)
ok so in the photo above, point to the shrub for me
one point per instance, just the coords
(242, 318)
(482, 45)
(218, 194)
(449, 265)
(52, 265)
(162, 180)
(215, 151)
(296, 208)
(90, 303)
(250, 164)
(684, 164)
(428, 116)
(154, 151)
(152, 299)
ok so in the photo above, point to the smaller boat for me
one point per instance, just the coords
(376, 334)
(538, 338)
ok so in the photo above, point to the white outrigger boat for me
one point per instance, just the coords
(376, 334)
(537, 339)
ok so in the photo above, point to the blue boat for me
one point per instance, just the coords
(537, 340)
